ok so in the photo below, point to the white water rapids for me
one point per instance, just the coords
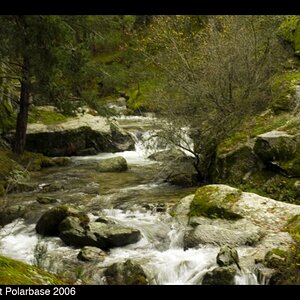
(160, 250)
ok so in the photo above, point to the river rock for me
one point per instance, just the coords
(227, 256)
(49, 222)
(46, 200)
(220, 276)
(220, 232)
(9, 214)
(114, 235)
(76, 135)
(114, 164)
(269, 214)
(125, 273)
(89, 254)
(96, 234)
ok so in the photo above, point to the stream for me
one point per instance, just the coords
(137, 198)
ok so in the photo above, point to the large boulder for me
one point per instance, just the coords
(125, 273)
(114, 164)
(280, 151)
(236, 166)
(76, 135)
(96, 234)
(220, 232)
(177, 167)
(50, 221)
(220, 276)
(222, 201)
(114, 235)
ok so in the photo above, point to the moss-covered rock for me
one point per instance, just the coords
(114, 164)
(235, 166)
(127, 273)
(280, 152)
(220, 276)
(215, 201)
(49, 222)
(18, 273)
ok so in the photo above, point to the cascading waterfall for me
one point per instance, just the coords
(160, 250)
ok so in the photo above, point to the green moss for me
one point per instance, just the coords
(293, 227)
(210, 203)
(251, 128)
(15, 272)
(33, 161)
(45, 117)
(292, 126)
(283, 88)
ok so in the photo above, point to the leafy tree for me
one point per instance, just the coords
(213, 76)
(29, 45)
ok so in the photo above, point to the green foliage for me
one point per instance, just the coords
(15, 272)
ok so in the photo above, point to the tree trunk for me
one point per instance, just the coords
(20, 137)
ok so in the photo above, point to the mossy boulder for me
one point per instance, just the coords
(215, 201)
(220, 276)
(49, 222)
(280, 151)
(114, 164)
(126, 273)
(18, 273)
(235, 166)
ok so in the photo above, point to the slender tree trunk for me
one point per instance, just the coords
(20, 137)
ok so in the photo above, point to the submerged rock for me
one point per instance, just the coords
(114, 164)
(46, 200)
(126, 273)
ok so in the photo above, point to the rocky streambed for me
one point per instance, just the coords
(128, 225)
